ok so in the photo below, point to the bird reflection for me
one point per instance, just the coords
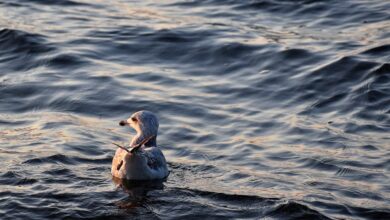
(137, 190)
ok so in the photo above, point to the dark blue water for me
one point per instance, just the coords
(269, 109)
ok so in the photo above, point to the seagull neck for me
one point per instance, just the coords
(152, 142)
(139, 138)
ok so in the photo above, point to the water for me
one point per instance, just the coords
(273, 109)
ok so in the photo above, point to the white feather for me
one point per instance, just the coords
(147, 162)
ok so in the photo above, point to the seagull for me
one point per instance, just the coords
(144, 160)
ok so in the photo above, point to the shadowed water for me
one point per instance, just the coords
(274, 109)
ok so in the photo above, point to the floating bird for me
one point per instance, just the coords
(144, 160)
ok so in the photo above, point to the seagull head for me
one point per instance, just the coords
(145, 123)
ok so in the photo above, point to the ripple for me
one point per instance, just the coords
(378, 50)
(59, 2)
(66, 60)
(295, 210)
(20, 49)
(12, 178)
(57, 158)
(17, 41)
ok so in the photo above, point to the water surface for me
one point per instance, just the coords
(269, 109)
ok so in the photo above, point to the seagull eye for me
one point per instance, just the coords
(134, 119)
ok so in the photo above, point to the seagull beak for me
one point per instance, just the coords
(123, 123)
